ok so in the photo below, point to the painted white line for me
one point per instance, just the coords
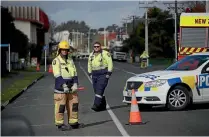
(126, 71)
(131, 65)
(38, 105)
(40, 125)
(112, 115)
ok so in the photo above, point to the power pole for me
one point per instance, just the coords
(146, 26)
(126, 25)
(133, 22)
(81, 37)
(77, 39)
(105, 37)
(89, 40)
(207, 6)
(73, 38)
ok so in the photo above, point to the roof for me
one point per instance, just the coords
(194, 14)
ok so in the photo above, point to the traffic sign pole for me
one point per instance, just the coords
(8, 45)
(45, 60)
(9, 60)
(45, 48)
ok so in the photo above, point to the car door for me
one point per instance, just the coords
(204, 82)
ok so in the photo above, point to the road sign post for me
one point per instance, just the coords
(45, 48)
(9, 52)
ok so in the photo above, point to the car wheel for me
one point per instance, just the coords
(178, 98)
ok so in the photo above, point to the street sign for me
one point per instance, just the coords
(4, 45)
(46, 47)
(8, 45)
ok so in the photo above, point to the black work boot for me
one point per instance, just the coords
(76, 125)
(95, 108)
(104, 104)
(63, 127)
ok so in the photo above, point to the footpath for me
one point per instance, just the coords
(16, 82)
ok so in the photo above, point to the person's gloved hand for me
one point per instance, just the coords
(107, 76)
(66, 89)
(74, 87)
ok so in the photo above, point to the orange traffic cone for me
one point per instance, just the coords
(50, 69)
(37, 67)
(135, 115)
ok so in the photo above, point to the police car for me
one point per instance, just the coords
(184, 82)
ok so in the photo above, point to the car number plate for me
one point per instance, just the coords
(129, 93)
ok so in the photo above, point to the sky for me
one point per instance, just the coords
(96, 14)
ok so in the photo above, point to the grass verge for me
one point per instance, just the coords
(18, 86)
(161, 61)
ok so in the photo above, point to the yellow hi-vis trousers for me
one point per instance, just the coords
(68, 101)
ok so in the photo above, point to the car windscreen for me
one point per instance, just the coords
(189, 63)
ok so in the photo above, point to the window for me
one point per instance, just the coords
(189, 63)
(193, 37)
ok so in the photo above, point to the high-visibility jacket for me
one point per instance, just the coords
(100, 63)
(144, 55)
(64, 72)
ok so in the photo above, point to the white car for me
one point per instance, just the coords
(184, 82)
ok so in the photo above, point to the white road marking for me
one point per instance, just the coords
(40, 125)
(112, 115)
(128, 64)
(126, 71)
(38, 105)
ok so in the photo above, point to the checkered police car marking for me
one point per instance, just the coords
(152, 77)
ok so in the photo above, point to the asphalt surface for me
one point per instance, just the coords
(36, 105)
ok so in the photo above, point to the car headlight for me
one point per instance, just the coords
(155, 83)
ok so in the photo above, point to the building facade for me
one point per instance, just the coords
(32, 21)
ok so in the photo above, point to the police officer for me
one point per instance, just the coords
(65, 92)
(100, 68)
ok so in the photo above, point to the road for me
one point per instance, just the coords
(36, 105)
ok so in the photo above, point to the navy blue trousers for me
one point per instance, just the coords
(99, 83)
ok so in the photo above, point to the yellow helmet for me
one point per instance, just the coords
(64, 45)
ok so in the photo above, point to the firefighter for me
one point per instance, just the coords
(65, 91)
(100, 68)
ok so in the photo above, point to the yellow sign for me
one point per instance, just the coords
(194, 21)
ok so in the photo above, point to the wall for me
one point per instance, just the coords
(28, 29)
(24, 27)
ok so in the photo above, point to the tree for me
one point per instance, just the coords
(52, 26)
(17, 40)
(196, 6)
(73, 25)
(161, 32)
